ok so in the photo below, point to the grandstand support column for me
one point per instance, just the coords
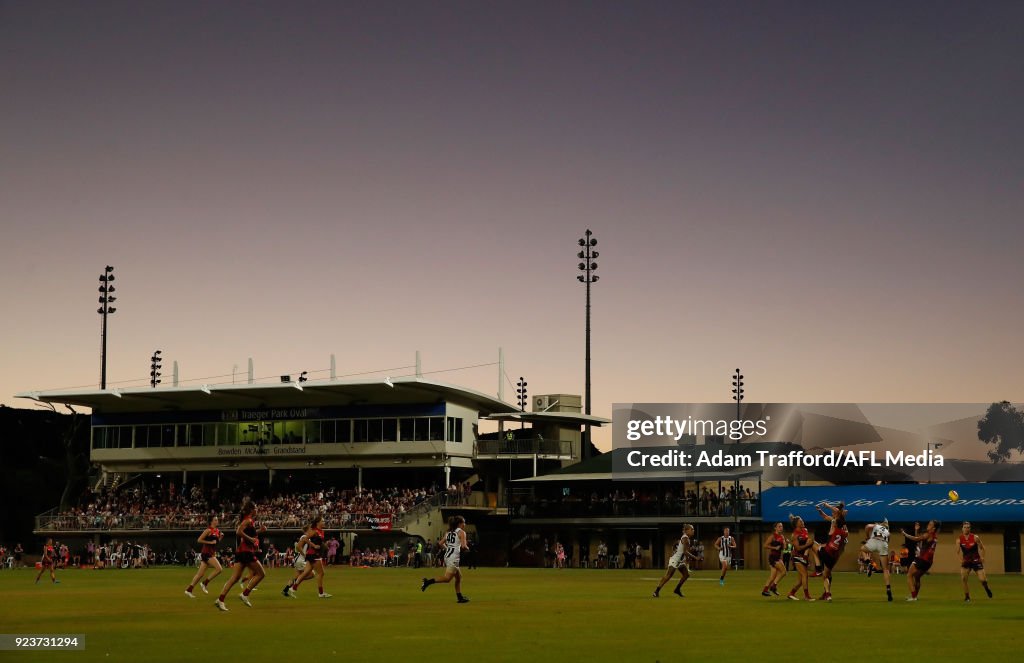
(270, 476)
(359, 478)
(419, 365)
(447, 474)
(534, 464)
(174, 374)
(184, 479)
(334, 368)
(252, 375)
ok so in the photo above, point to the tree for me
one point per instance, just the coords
(1003, 426)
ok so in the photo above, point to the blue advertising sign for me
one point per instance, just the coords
(901, 503)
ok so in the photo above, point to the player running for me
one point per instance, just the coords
(926, 545)
(315, 550)
(829, 552)
(774, 543)
(454, 544)
(49, 561)
(971, 552)
(802, 545)
(210, 537)
(725, 545)
(245, 556)
(299, 561)
(680, 561)
(876, 542)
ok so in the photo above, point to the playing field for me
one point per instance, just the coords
(515, 615)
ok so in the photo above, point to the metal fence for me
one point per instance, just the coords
(524, 446)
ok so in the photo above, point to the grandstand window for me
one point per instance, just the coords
(361, 431)
(422, 432)
(167, 435)
(227, 435)
(99, 437)
(312, 434)
(436, 428)
(407, 429)
(195, 435)
(454, 429)
(374, 430)
(291, 432)
(124, 436)
(328, 431)
(147, 436)
(343, 430)
(181, 435)
(390, 432)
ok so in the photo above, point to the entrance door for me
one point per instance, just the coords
(1011, 549)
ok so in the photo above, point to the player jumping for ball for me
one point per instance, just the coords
(876, 542)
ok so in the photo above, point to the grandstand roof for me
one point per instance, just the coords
(312, 393)
(570, 418)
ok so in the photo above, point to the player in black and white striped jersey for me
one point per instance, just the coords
(680, 561)
(725, 545)
(454, 543)
(876, 542)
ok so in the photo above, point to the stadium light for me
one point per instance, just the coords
(106, 299)
(302, 376)
(588, 266)
(521, 395)
(154, 369)
(737, 391)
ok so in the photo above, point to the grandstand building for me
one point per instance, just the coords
(297, 437)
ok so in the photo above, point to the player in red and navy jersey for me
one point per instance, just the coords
(829, 552)
(972, 558)
(774, 543)
(926, 545)
(802, 545)
(48, 562)
(316, 549)
(245, 556)
(209, 539)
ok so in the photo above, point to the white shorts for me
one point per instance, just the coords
(723, 558)
(300, 562)
(878, 546)
(677, 562)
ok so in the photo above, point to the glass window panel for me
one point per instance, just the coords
(312, 428)
(361, 431)
(292, 432)
(389, 431)
(375, 430)
(343, 430)
(422, 429)
(437, 428)
(406, 429)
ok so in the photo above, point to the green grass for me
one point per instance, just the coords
(515, 615)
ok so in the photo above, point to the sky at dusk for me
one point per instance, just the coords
(826, 195)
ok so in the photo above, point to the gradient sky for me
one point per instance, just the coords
(826, 195)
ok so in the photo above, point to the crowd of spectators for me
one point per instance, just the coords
(164, 506)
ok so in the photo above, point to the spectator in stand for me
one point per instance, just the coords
(332, 551)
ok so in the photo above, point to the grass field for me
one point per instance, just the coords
(515, 615)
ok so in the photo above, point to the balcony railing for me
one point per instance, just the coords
(524, 446)
(51, 522)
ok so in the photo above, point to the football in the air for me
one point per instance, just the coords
(954, 496)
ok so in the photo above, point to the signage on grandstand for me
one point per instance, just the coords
(900, 503)
(380, 522)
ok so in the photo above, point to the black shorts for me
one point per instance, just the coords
(973, 566)
(774, 559)
(922, 565)
(312, 559)
(905, 562)
(245, 558)
(206, 556)
(827, 559)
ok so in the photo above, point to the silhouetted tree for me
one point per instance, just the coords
(1003, 426)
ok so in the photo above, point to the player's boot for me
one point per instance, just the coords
(189, 594)
(220, 605)
(245, 600)
(888, 593)
(462, 599)
(678, 593)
